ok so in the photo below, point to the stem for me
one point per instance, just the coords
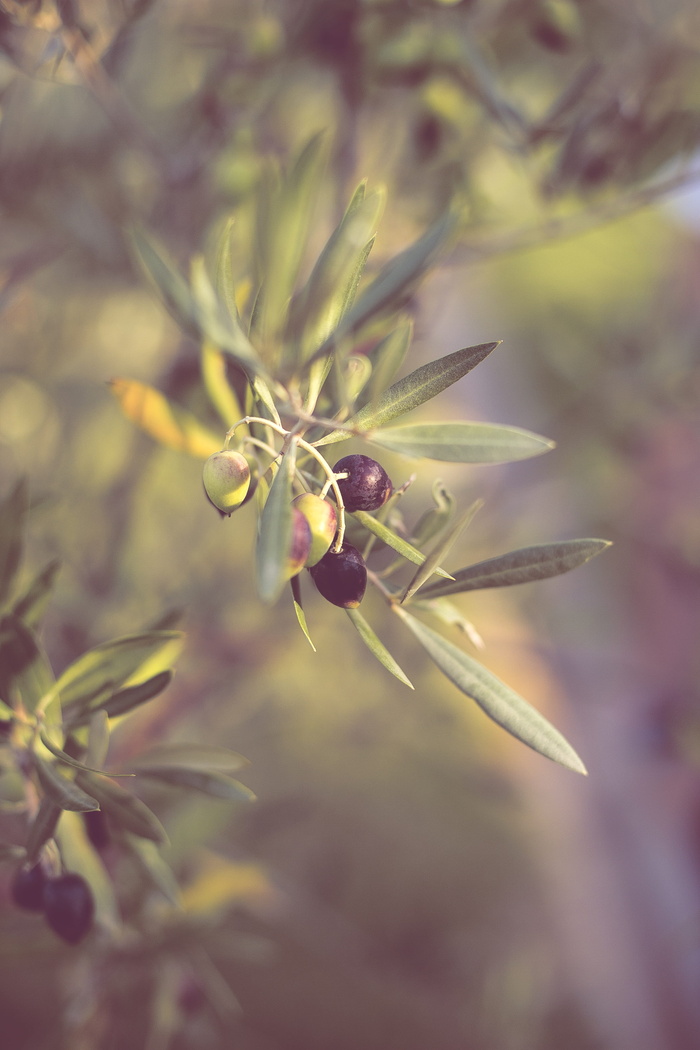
(290, 435)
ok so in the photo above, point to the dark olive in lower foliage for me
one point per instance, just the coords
(27, 889)
(367, 485)
(341, 578)
(69, 907)
(96, 828)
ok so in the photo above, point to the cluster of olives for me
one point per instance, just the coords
(340, 575)
(65, 900)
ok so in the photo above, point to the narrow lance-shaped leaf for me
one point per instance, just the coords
(30, 607)
(494, 697)
(448, 613)
(388, 356)
(275, 537)
(124, 700)
(62, 791)
(538, 562)
(127, 811)
(442, 548)
(413, 390)
(394, 280)
(42, 828)
(190, 756)
(217, 324)
(299, 609)
(376, 647)
(167, 423)
(110, 665)
(217, 386)
(13, 512)
(397, 543)
(211, 782)
(25, 672)
(462, 442)
(68, 760)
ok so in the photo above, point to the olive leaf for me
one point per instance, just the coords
(154, 867)
(79, 856)
(461, 442)
(209, 782)
(413, 390)
(299, 609)
(376, 647)
(13, 511)
(217, 386)
(62, 791)
(68, 760)
(538, 562)
(98, 673)
(42, 828)
(442, 548)
(25, 672)
(397, 543)
(30, 607)
(168, 424)
(388, 356)
(126, 810)
(275, 536)
(202, 757)
(123, 700)
(494, 697)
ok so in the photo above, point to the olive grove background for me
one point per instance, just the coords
(409, 877)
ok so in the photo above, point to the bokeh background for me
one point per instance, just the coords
(409, 876)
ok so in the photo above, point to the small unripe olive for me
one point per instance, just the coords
(226, 477)
(367, 485)
(341, 578)
(300, 545)
(27, 889)
(69, 906)
(322, 520)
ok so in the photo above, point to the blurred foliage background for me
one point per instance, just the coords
(409, 877)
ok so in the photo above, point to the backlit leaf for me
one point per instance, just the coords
(376, 647)
(125, 700)
(299, 609)
(413, 390)
(168, 424)
(462, 442)
(30, 607)
(275, 536)
(520, 566)
(494, 697)
(108, 666)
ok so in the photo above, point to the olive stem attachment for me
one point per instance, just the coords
(332, 481)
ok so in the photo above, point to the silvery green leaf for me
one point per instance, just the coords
(126, 810)
(413, 390)
(62, 791)
(391, 539)
(439, 552)
(376, 647)
(538, 562)
(212, 783)
(275, 536)
(494, 697)
(190, 756)
(461, 442)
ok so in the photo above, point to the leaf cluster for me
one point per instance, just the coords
(314, 364)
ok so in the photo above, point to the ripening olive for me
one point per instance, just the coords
(69, 906)
(300, 545)
(226, 477)
(367, 485)
(341, 577)
(322, 520)
(27, 889)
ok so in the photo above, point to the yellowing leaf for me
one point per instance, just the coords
(168, 424)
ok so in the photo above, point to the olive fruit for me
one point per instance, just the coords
(226, 477)
(27, 889)
(69, 906)
(341, 577)
(367, 485)
(301, 543)
(322, 520)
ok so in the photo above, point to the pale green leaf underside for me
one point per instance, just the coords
(376, 647)
(494, 697)
(525, 565)
(413, 390)
(209, 782)
(461, 442)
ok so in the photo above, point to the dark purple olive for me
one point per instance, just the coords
(341, 578)
(367, 485)
(27, 889)
(69, 907)
(96, 828)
